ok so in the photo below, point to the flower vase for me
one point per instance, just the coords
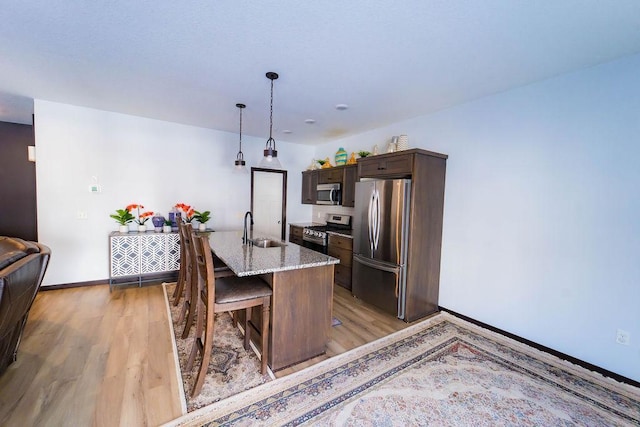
(202, 227)
(341, 157)
(158, 222)
(166, 229)
(123, 229)
(142, 228)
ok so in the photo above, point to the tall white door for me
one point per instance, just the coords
(267, 203)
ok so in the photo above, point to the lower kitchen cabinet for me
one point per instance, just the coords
(342, 248)
(295, 234)
(300, 315)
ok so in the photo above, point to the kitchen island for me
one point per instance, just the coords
(302, 285)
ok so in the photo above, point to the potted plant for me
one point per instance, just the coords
(141, 217)
(187, 212)
(123, 217)
(166, 228)
(202, 218)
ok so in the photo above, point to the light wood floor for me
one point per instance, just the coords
(90, 357)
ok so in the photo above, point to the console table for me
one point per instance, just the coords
(136, 255)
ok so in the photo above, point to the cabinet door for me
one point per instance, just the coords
(341, 248)
(349, 186)
(152, 253)
(309, 184)
(330, 175)
(172, 251)
(124, 256)
(295, 234)
(396, 165)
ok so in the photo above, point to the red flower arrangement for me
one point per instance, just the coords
(187, 211)
(142, 217)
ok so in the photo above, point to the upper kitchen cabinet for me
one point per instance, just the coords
(400, 164)
(330, 175)
(309, 184)
(349, 185)
(344, 175)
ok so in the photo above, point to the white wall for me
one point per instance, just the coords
(136, 160)
(542, 209)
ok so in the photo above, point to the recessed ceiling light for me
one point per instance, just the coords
(286, 131)
(341, 107)
(310, 121)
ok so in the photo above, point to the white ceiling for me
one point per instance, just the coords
(191, 61)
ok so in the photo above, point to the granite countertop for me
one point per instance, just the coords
(338, 233)
(247, 260)
(305, 224)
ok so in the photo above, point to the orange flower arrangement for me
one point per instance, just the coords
(187, 211)
(142, 217)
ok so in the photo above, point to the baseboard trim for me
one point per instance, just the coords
(575, 361)
(154, 279)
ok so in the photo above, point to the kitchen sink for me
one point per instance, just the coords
(267, 243)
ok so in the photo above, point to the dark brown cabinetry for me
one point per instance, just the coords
(309, 184)
(349, 185)
(295, 234)
(397, 165)
(330, 175)
(345, 175)
(342, 248)
(300, 316)
(427, 172)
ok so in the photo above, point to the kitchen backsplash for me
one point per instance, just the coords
(319, 212)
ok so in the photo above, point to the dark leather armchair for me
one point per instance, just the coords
(22, 268)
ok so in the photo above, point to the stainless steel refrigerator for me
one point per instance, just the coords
(380, 242)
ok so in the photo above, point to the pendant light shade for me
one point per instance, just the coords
(240, 164)
(270, 159)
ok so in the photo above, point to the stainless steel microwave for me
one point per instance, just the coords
(329, 194)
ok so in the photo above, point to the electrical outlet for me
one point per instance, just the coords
(623, 337)
(81, 215)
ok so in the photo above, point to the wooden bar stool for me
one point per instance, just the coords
(183, 271)
(188, 276)
(191, 279)
(220, 295)
(190, 306)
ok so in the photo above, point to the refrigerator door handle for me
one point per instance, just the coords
(370, 222)
(376, 238)
(365, 261)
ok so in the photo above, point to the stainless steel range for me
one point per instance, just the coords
(316, 237)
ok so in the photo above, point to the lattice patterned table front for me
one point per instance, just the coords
(137, 254)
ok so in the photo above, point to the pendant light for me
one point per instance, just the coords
(240, 163)
(270, 159)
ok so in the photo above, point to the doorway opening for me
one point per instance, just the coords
(269, 201)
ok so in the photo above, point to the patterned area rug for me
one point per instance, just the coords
(232, 368)
(442, 371)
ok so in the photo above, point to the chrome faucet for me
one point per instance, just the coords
(245, 238)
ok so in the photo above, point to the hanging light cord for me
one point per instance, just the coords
(271, 76)
(240, 155)
(271, 140)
